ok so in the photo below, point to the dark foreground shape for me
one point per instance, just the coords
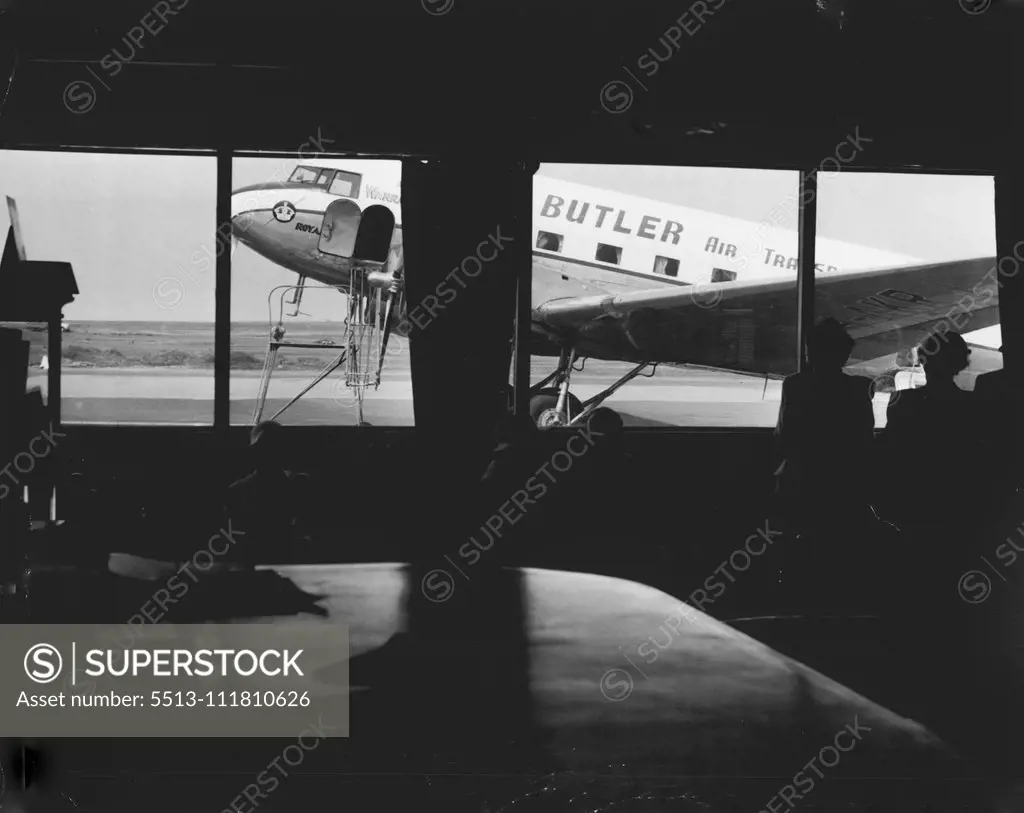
(582, 690)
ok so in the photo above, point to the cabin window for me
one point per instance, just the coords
(608, 254)
(345, 184)
(548, 241)
(722, 275)
(666, 266)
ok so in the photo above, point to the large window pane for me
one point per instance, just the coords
(899, 254)
(684, 250)
(290, 239)
(139, 340)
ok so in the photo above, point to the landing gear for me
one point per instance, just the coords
(371, 299)
(556, 406)
(277, 341)
(544, 408)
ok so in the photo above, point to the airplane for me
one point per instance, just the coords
(624, 278)
(336, 228)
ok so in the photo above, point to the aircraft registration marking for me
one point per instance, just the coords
(890, 302)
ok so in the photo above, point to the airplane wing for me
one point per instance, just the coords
(751, 326)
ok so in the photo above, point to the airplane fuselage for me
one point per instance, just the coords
(634, 243)
(283, 221)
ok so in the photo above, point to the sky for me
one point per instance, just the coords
(132, 224)
(122, 221)
(137, 228)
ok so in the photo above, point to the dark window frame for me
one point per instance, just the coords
(807, 236)
(618, 254)
(560, 238)
(674, 274)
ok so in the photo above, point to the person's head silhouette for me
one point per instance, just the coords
(267, 445)
(606, 421)
(829, 346)
(944, 354)
(607, 428)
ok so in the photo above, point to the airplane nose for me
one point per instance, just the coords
(247, 205)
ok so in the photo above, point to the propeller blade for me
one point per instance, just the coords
(387, 331)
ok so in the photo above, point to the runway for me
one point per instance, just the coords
(673, 397)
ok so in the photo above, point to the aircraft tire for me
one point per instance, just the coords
(548, 399)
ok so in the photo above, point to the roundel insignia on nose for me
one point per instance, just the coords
(284, 211)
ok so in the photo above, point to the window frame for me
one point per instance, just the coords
(225, 155)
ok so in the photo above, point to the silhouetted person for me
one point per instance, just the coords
(933, 440)
(595, 483)
(607, 425)
(938, 467)
(992, 385)
(825, 429)
(267, 503)
(997, 402)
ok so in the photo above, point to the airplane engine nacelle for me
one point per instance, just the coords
(381, 279)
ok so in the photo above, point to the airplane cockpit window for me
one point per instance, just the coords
(666, 266)
(547, 241)
(345, 184)
(341, 186)
(722, 275)
(304, 175)
(608, 254)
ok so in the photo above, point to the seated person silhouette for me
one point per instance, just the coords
(267, 503)
(932, 444)
(598, 479)
(825, 429)
(996, 400)
(992, 385)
